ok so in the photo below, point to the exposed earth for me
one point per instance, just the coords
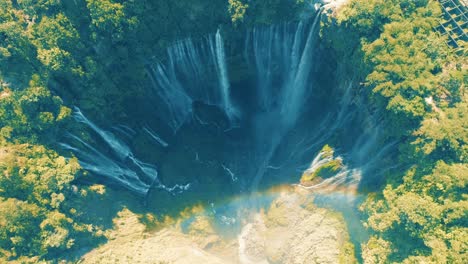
(291, 230)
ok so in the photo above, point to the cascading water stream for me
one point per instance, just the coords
(194, 72)
(221, 69)
(120, 166)
(283, 102)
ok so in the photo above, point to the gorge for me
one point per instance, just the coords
(237, 131)
(275, 118)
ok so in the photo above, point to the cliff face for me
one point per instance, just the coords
(291, 230)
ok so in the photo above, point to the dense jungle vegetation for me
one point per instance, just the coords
(420, 215)
(57, 54)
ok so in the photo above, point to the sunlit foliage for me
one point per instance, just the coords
(237, 10)
(36, 199)
(416, 81)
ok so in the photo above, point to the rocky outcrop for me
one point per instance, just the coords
(324, 166)
(291, 230)
(130, 243)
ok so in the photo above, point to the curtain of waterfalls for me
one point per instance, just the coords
(276, 135)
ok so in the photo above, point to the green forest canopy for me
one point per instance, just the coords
(420, 216)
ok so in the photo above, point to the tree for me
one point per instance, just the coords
(19, 221)
(414, 79)
(31, 112)
(445, 135)
(237, 10)
(56, 40)
(109, 18)
(36, 201)
(429, 210)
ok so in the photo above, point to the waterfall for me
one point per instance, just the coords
(194, 71)
(283, 56)
(121, 166)
(100, 164)
(119, 148)
(283, 60)
(295, 94)
(221, 69)
(178, 103)
(280, 120)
